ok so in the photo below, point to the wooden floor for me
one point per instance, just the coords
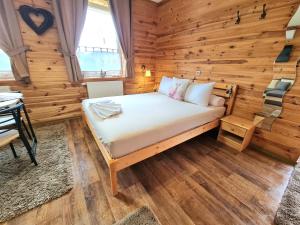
(198, 182)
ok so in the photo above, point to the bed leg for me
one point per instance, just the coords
(113, 181)
(83, 119)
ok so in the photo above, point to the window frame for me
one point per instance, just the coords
(10, 75)
(97, 77)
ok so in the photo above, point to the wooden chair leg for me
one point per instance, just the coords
(113, 181)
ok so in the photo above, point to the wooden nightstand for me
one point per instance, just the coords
(236, 132)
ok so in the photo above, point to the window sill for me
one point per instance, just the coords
(8, 82)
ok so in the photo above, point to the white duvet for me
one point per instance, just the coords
(147, 119)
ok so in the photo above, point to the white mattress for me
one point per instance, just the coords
(147, 119)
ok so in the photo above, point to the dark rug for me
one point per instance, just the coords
(142, 216)
(24, 186)
(288, 212)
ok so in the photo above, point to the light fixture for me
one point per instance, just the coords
(143, 67)
(148, 73)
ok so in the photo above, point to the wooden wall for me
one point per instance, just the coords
(51, 96)
(144, 40)
(202, 35)
(179, 37)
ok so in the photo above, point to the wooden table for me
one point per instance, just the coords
(9, 103)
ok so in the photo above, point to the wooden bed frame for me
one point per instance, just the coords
(228, 91)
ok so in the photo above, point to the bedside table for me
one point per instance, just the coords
(236, 132)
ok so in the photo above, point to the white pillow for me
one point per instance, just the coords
(216, 101)
(165, 85)
(199, 93)
(178, 88)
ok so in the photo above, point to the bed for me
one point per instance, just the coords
(149, 124)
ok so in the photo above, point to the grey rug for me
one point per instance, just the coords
(142, 216)
(288, 212)
(24, 186)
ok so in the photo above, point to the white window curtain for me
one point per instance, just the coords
(121, 12)
(70, 16)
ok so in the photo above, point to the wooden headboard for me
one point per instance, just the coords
(227, 91)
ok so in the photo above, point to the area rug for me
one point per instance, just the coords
(24, 186)
(288, 212)
(142, 216)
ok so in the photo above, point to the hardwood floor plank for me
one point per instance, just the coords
(225, 179)
(194, 190)
(97, 204)
(78, 212)
(171, 210)
(197, 182)
(237, 208)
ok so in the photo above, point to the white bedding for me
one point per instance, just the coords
(147, 119)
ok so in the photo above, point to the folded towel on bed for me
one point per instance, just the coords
(106, 108)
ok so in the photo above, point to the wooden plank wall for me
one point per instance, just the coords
(51, 96)
(144, 39)
(177, 38)
(202, 35)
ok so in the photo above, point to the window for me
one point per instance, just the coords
(98, 52)
(5, 68)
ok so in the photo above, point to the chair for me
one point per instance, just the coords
(8, 122)
(11, 123)
(6, 137)
(11, 127)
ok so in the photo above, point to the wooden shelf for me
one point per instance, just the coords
(232, 137)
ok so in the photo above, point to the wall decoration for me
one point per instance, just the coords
(285, 73)
(25, 12)
(238, 19)
(293, 26)
(273, 98)
(264, 12)
(285, 54)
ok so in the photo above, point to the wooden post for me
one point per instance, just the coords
(113, 181)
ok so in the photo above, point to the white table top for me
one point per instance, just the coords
(8, 103)
(7, 96)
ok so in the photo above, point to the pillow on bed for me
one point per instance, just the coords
(165, 85)
(178, 88)
(199, 93)
(216, 101)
